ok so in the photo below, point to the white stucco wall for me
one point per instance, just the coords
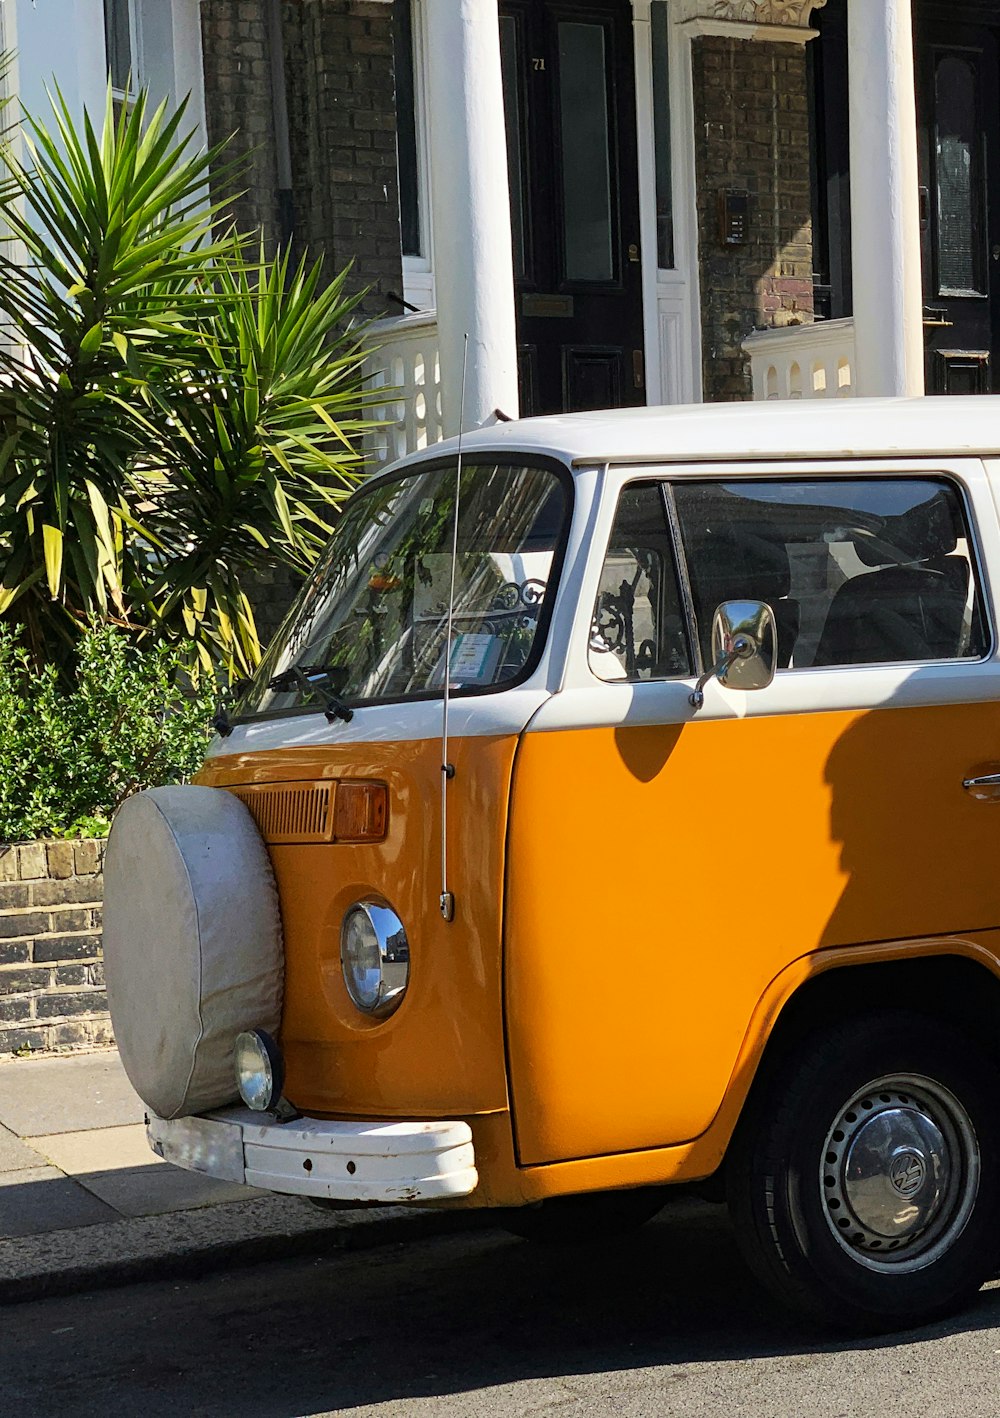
(63, 41)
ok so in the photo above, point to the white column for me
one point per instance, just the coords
(188, 62)
(470, 202)
(647, 194)
(885, 199)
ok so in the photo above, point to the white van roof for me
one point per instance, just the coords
(803, 429)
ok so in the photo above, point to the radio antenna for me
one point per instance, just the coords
(448, 769)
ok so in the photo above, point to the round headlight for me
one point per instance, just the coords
(260, 1070)
(375, 957)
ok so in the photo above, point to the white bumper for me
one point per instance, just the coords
(358, 1161)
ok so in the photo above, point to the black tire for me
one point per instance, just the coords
(592, 1216)
(913, 1169)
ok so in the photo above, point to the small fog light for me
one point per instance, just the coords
(260, 1070)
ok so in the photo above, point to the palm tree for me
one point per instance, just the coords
(174, 413)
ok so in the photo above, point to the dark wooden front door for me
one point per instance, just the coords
(958, 103)
(569, 92)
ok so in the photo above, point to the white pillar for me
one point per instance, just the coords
(644, 105)
(470, 201)
(885, 199)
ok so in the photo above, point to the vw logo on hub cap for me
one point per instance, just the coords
(907, 1172)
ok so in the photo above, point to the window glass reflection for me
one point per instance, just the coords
(586, 167)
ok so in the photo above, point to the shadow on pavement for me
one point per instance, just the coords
(444, 1318)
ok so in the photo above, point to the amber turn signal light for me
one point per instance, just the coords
(361, 811)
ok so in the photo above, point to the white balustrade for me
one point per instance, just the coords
(405, 362)
(814, 361)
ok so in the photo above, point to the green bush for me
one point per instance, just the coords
(70, 755)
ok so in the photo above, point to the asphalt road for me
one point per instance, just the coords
(482, 1326)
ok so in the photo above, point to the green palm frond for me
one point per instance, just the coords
(248, 468)
(174, 415)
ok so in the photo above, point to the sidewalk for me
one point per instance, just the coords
(85, 1203)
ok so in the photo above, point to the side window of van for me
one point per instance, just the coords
(638, 631)
(857, 571)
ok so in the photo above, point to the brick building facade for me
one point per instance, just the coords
(308, 99)
(687, 159)
(751, 135)
(239, 107)
(308, 88)
(305, 91)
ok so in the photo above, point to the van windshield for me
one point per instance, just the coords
(371, 622)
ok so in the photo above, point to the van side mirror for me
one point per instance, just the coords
(744, 648)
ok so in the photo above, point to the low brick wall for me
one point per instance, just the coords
(51, 967)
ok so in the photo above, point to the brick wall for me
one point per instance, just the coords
(751, 134)
(274, 589)
(51, 969)
(342, 121)
(343, 204)
(340, 96)
(239, 106)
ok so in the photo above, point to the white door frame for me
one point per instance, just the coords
(671, 298)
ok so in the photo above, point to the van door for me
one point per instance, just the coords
(664, 865)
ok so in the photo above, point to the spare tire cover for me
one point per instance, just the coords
(192, 943)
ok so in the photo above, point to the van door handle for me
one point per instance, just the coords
(985, 788)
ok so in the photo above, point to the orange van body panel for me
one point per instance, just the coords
(690, 866)
(504, 1182)
(629, 1054)
(442, 1053)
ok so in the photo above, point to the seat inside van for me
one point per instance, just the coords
(909, 612)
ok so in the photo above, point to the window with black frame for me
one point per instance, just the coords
(406, 128)
(120, 42)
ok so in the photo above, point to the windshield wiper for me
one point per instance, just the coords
(318, 682)
(220, 721)
(337, 708)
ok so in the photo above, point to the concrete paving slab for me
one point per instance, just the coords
(199, 1242)
(152, 1191)
(107, 1211)
(16, 1155)
(39, 1097)
(98, 1150)
(116, 1165)
(35, 1202)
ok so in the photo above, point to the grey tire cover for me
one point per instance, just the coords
(192, 943)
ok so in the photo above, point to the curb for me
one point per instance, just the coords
(185, 1245)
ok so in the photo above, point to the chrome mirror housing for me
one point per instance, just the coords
(744, 648)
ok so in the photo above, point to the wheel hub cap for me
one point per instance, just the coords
(900, 1172)
(895, 1172)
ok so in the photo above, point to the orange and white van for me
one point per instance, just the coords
(618, 809)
